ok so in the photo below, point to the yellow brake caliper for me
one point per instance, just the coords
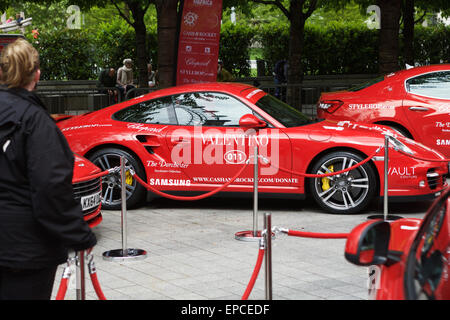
(326, 181)
(128, 178)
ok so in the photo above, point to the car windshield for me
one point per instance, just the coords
(366, 84)
(282, 112)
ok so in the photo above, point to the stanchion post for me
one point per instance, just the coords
(80, 276)
(268, 253)
(125, 252)
(386, 171)
(255, 191)
(386, 215)
(123, 206)
(254, 234)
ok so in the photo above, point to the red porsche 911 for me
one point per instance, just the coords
(195, 138)
(414, 102)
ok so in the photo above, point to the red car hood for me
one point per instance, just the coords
(358, 132)
(354, 129)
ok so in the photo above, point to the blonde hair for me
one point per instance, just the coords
(19, 62)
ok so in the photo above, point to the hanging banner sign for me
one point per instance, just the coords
(198, 46)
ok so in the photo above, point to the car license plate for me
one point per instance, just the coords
(90, 201)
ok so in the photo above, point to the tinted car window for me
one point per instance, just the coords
(209, 109)
(158, 111)
(282, 112)
(435, 85)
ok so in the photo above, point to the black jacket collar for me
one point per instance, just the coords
(30, 96)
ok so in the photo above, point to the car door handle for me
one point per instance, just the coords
(180, 140)
(418, 109)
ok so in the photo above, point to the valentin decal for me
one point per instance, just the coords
(212, 146)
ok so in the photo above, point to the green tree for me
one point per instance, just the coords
(413, 12)
(297, 12)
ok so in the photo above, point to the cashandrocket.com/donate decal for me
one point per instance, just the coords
(198, 48)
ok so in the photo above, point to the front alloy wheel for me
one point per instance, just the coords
(111, 184)
(345, 193)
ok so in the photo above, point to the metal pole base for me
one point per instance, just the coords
(250, 235)
(129, 254)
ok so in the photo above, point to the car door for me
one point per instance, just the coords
(213, 148)
(427, 107)
(148, 121)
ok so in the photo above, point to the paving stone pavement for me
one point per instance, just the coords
(193, 254)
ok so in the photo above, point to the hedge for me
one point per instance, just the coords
(335, 49)
(350, 49)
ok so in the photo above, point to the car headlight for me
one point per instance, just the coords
(398, 145)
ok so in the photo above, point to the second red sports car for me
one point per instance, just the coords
(196, 138)
(87, 190)
(414, 102)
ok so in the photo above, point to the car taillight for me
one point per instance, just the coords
(330, 106)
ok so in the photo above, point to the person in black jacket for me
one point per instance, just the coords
(39, 218)
(107, 82)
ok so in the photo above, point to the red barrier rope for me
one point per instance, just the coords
(62, 289)
(423, 159)
(94, 279)
(64, 282)
(254, 274)
(66, 276)
(97, 288)
(305, 234)
(199, 197)
(97, 175)
(307, 175)
(148, 187)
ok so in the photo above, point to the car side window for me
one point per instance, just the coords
(209, 109)
(157, 111)
(433, 85)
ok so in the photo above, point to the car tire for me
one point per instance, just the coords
(346, 193)
(111, 184)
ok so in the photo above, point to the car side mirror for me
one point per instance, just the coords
(249, 121)
(368, 243)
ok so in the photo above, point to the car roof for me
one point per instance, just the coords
(231, 87)
(406, 73)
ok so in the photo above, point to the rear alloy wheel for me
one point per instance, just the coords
(345, 193)
(111, 184)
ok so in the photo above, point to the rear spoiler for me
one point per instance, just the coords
(60, 117)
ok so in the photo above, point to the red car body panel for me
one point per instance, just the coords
(297, 147)
(83, 169)
(408, 236)
(389, 102)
